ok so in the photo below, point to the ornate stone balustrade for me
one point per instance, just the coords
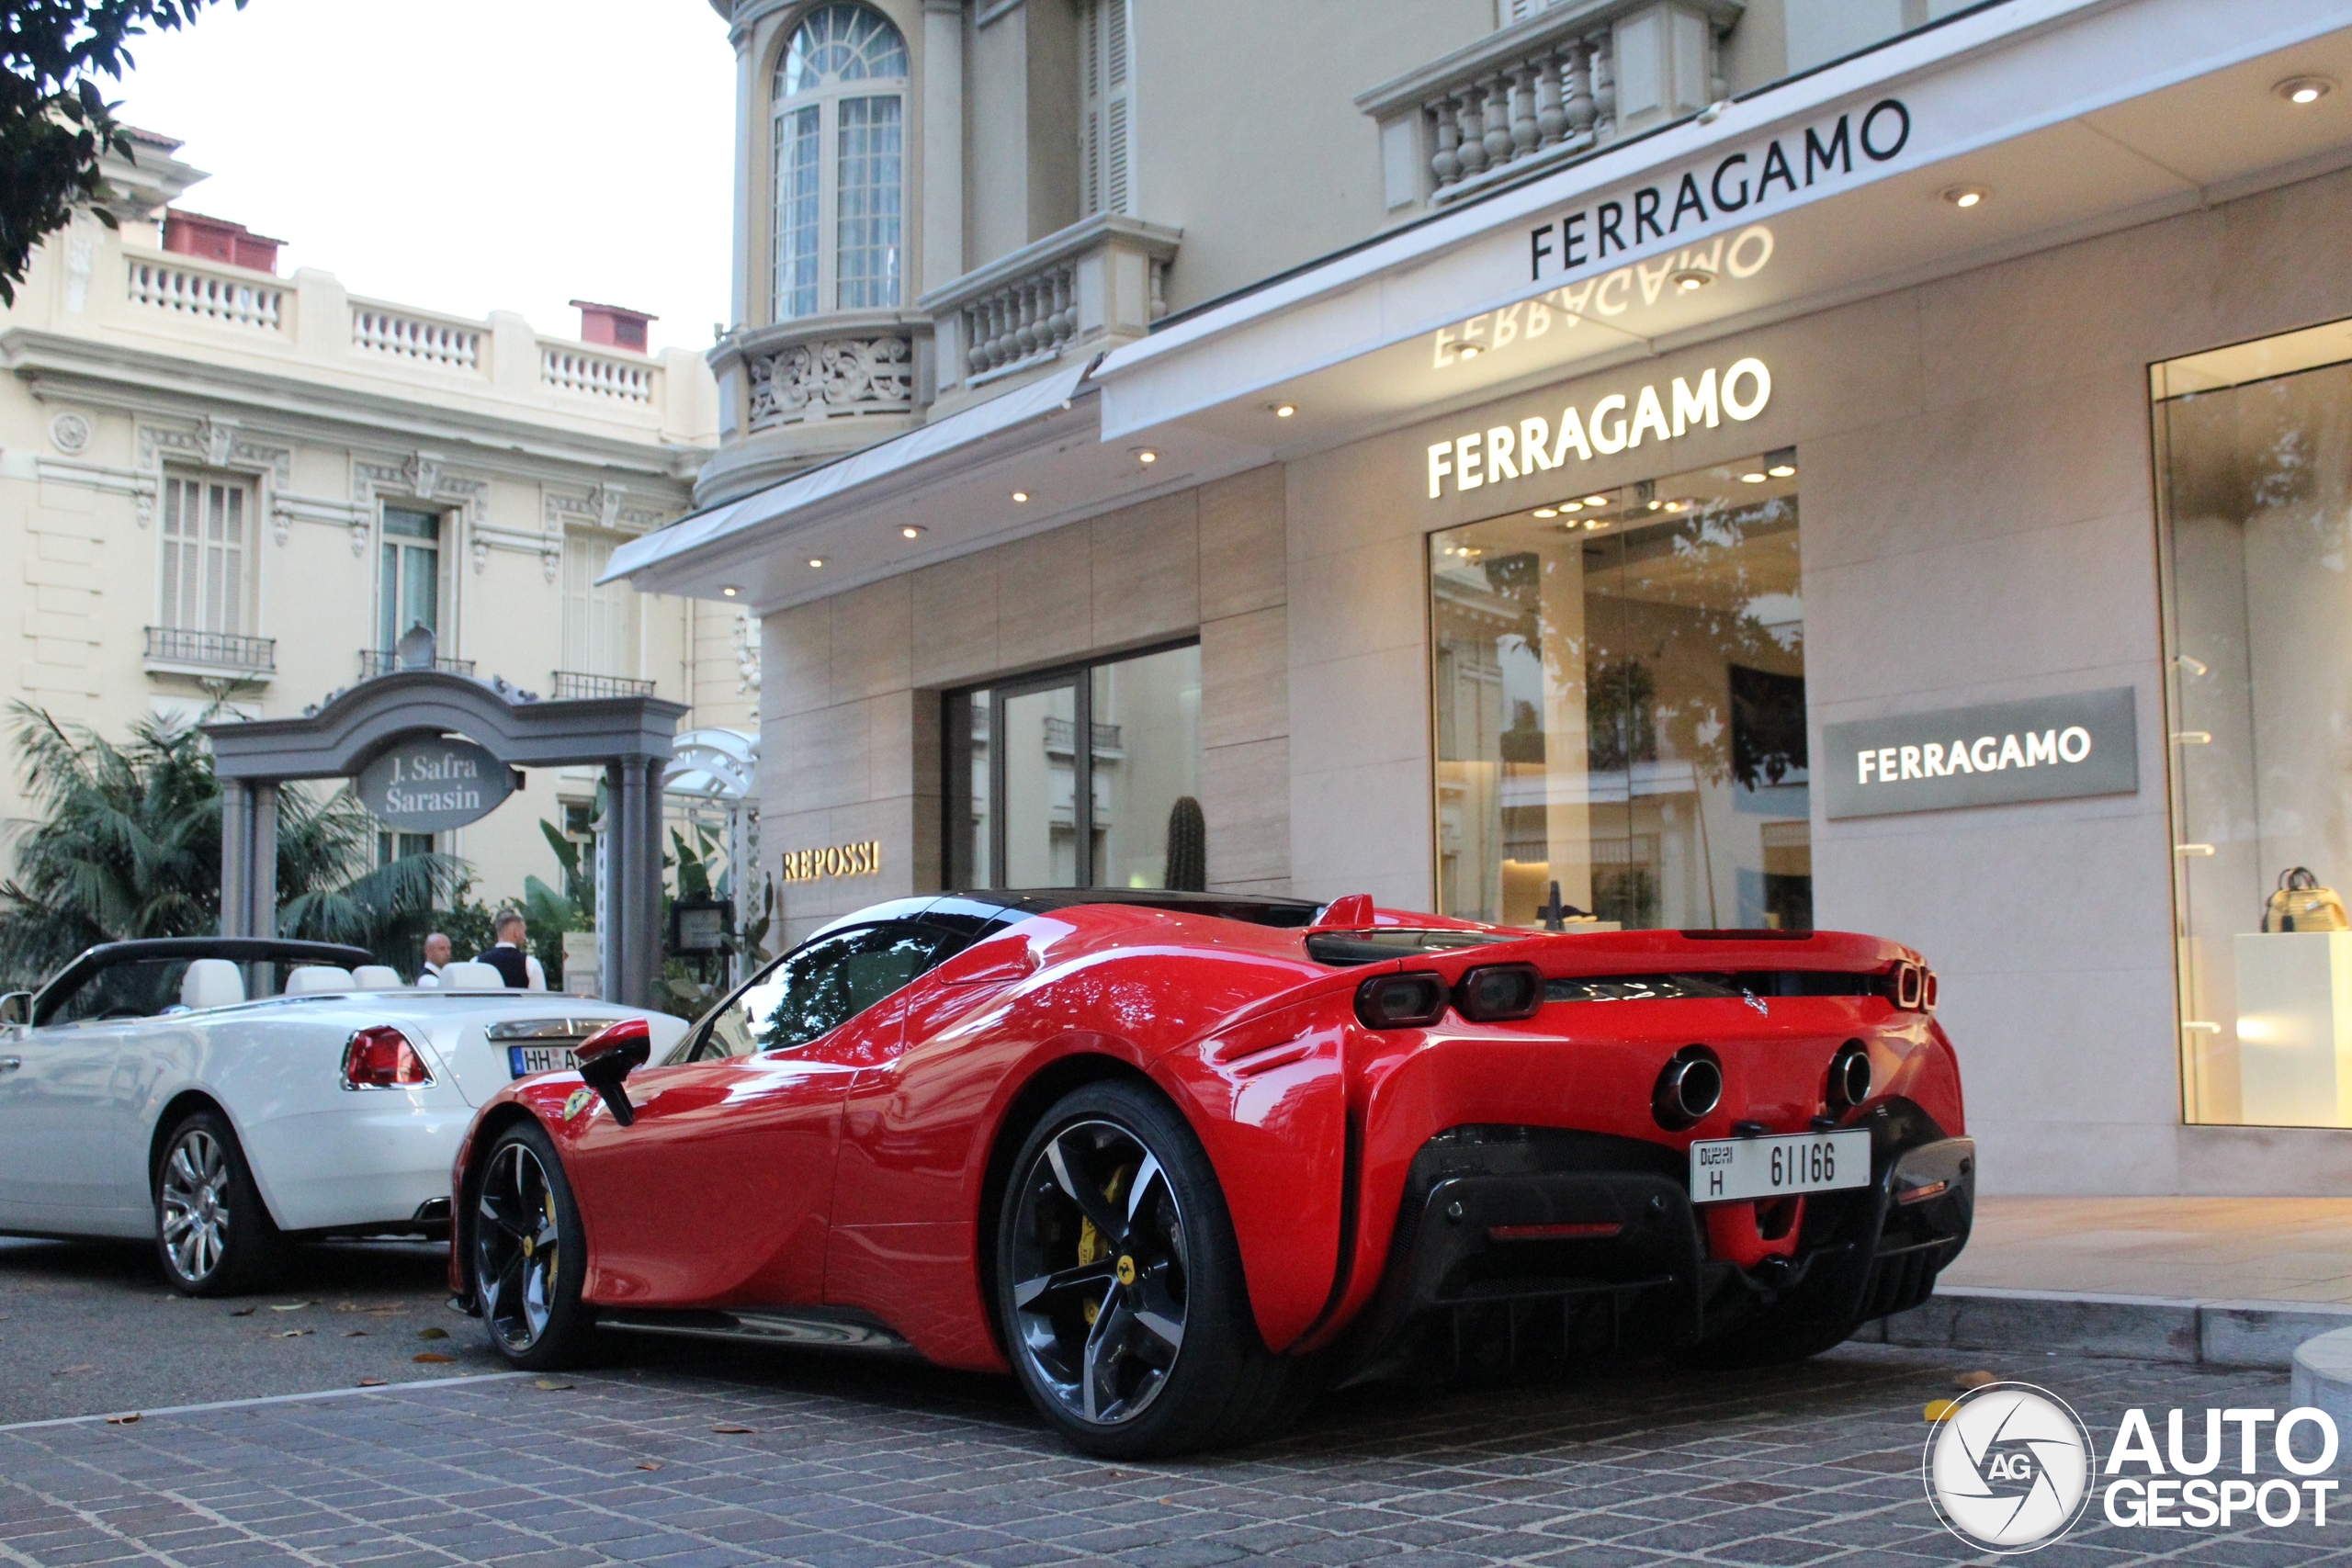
(423, 340)
(600, 375)
(227, 295)
(1095, 283)
(846, 364)
(1570, 78)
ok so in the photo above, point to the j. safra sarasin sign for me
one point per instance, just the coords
(1619, 421)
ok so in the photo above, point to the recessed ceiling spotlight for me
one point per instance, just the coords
(1472, 552)
(1467, 351)
(1284, 410)
(912, 531)
(730, 590)
(1146, 454)
(1676, 505)
(1966, 196)
(1591, 523)
(2304, 89)
(1572, 506)
(1547, 512)
(1753, 477)
(816, 560)
(1782, 470)
(1596, 501)
(1020, 495)
(1690, 280)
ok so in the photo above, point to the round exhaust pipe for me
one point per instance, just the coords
(1850, 1077)
(1690, 1085)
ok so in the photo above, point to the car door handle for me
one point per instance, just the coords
(9, 1064)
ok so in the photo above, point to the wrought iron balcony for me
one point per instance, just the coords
(579, 683)
(375, 661)
(177, 650)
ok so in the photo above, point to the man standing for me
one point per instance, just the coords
(436, 958)
(509, 957)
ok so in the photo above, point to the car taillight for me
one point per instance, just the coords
(1500, 993)
(1401, 1001)
(383, 1057)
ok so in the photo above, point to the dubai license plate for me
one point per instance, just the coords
(529, 1059)
(1730, 1170)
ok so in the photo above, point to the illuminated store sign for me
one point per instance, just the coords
(861, 859)
(1993, 754)
(1705, 194)
(1618, 422)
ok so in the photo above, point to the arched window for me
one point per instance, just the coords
(839, 163)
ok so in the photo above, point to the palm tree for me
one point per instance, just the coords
(127, 845)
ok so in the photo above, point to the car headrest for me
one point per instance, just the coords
(377, 977)
(309, 979)
(471, 976)
(212, 983)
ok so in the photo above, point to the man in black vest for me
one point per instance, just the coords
(508, 955)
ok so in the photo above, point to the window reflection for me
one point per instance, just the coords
(1619, 707)
(817, 988)
(2255, 448)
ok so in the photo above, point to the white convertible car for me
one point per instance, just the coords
(141, 1094)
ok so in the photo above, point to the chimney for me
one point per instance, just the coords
(613, 326)
(217, 238)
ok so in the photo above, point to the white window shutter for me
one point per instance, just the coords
(1109, 115)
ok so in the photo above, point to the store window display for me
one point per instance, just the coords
(2254, 446)
(1620, 711)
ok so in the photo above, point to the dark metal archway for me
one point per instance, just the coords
(629, 737)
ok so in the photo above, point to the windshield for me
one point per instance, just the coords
(141, 988)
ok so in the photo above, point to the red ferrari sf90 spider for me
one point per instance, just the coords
(1178, 1159)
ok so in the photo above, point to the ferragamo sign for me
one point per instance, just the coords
(1993, 754)
(1617, 422)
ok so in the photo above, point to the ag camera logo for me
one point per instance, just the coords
(2009, 1468)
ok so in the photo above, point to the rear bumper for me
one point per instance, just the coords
(1514, 1241)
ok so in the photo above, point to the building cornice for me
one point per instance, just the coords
(132, 380)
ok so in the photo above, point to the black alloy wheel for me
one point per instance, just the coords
(213, 1233)
(1120, 1288)
(528, 1259)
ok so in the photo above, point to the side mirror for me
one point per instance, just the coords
(17, 1008)
(609, 1055)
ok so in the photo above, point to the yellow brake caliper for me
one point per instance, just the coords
(1091, 1244)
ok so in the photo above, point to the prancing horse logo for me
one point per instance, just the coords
(1758, 1003)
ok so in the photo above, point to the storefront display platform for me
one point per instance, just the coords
(2278, 1249)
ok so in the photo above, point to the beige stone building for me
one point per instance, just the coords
(1803, 463)
(215, 481)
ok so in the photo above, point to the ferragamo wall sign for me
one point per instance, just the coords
(1993, 754)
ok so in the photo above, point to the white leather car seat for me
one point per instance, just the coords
(471, 976)
(212, 983)
(309, 979)
(377, 977)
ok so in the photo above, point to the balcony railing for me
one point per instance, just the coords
(579, 683)
(577, 370)
(1061, 732)
(375, 661)
(418, 339)
(1095, 283)
(224, 652)
(205, 295)
(1545, 90)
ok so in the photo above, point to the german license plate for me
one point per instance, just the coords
(1730, 1170)
(529, 1059)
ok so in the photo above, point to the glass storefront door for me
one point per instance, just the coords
(2253, 447)
(1619, 703)
(1086, 777)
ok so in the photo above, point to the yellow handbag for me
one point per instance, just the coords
(2302, 905)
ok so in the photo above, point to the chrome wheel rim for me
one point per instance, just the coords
(1098, 1276)
(518, 1249)
(195, 1199)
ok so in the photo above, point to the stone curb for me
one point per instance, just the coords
(2323, 1374)
(2256, 1335)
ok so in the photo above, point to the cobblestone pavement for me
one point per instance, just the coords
(89, 1326)
(859, 1464)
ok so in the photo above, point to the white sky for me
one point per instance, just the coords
(466, 156)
